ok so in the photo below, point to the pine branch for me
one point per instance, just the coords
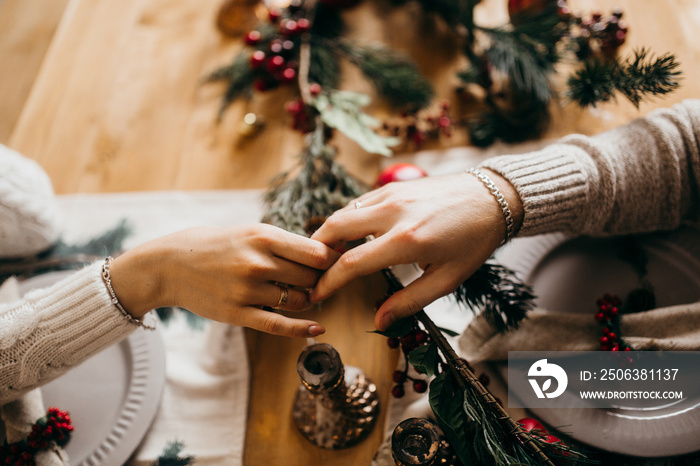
(324, 66)
(501, 297)
(239, 76)
(171, 456)
(109, 242)
(321, 187)
(635, 78)
(528, 122)
(395, 77)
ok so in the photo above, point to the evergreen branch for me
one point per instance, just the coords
(526, 64)
(324, 66)
(635, 77)
(501, 297)
(528, 122)
(498, 429)
(394, 76)
(239, 77)
(321, 187)
(109, 242)
(171, 456)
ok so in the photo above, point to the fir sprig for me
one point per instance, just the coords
(395, 77)
(634, 77)
(495, 291)
(239, 77)
(321, 187)
(171, 456)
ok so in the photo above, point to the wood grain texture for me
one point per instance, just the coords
(118, 105)
(26, 31)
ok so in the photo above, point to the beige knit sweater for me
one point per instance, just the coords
(637, 178)
(641, 177)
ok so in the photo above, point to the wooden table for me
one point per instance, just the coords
(106, 96)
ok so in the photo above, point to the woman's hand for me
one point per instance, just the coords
(225, 274)
(448, 225)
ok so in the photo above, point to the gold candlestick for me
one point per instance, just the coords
(336, 406)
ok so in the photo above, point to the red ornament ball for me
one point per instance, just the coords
(399, 172)
(528, 424)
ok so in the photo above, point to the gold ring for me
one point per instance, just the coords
(358, 204)
(284, 294)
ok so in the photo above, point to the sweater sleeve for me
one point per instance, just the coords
(53, 329)
(638, 178)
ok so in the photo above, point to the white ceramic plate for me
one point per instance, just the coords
(568, 276)
(112, 397)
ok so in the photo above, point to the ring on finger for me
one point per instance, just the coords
(358, 204)
(284, 294)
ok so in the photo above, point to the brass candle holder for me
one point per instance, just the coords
(336, 406)
(418, 442)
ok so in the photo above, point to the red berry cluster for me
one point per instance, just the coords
(274, 60)
(414, 129)
(412, 340)
(609, 316)
(599, 34)
(54, 427)
(303, 116)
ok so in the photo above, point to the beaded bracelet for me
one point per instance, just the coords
(500, 198)
(107, 279)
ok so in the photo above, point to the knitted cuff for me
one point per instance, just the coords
(551, 185)
(77, 316)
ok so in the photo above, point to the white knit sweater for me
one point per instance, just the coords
(53, 329)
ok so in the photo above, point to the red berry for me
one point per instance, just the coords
(628, 348)
(397, 391)
(273, 15)
(262, 85)
(288, 45)
(393, 342)
(253, 38)
(315, 89)
(421, 336)
(303, 25)
(257, 58)
(288, 75)
(444, 122)
(600, 317)
(420, 386)
(615, 347)
(612, 336)
(606, 331)
(399, 376)
(604, 340)
(614, 311)
(276, 46)
(290, 27)
(276, 63)
(484, 379)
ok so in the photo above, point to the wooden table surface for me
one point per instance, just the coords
(106, 96)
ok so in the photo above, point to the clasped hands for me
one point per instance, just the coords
(448, 225)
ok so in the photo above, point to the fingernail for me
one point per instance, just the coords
(316, 330)
(386, 321)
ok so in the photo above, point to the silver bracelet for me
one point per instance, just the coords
(500, 198)
(107, 279)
